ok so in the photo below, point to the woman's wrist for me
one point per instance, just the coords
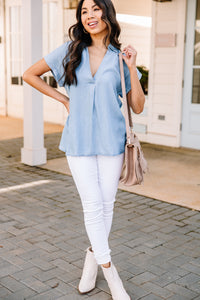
(64, 99)
(132, 67)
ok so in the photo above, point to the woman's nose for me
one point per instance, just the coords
(90, 13)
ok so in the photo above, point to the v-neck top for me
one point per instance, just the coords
(95, 124)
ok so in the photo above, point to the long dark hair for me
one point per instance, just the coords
(81, 39)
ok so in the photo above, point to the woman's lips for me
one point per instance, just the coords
(92, 24)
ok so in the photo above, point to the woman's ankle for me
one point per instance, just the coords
(107, 265)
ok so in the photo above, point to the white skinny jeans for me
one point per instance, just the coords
(96, 179)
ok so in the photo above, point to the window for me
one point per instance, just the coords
(196, 63)
(15, 36)
(50, 33)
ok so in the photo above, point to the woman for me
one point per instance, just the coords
(94, 135)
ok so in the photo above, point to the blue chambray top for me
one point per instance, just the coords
(95, 124)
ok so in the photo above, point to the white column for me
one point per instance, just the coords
(3, 108)
(33, 152)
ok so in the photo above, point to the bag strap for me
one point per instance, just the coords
(127, 110)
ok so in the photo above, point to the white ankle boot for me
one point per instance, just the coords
(89, 274)
(115, 284)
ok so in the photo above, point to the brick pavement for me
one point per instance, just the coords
(155, 245)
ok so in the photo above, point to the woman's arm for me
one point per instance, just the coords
(32, 77)
(136, 96)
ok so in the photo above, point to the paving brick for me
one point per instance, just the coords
(4, 292)
(26, 273)
(135, 291)
(157, 270)
(49, 295)
(69, 277)
(8, 270)
(165, 279)
(182, 291)
(191, 268)
(100, 295)
(22, 294)
(178, 297)
(41, 263)
(142, 278)
(179, 260)
(195, 287)
(188, 279)
(151, 297)
(157, 290)
(35, 284)
(11, 284)
(73, 297)
(155, 245)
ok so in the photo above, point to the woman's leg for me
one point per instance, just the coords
(88, 173)
(84, 170)
(109, 170)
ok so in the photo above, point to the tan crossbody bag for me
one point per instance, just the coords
(135, 165)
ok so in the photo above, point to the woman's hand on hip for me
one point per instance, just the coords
(32, 77)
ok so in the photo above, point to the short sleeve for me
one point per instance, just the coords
(128, 79)
(55, 61)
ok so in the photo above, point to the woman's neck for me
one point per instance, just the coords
(98, 41)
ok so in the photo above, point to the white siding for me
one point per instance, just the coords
(166, 74)
(139, 37)
(133, 7)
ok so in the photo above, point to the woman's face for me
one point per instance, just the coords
(91, 15)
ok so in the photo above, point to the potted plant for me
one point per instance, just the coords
(144, 80)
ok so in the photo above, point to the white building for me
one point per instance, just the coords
(166, 36)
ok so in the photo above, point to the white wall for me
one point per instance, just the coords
(133, 7)
(140, 38)
(166, 74)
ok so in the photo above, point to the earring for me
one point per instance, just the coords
(85, 31)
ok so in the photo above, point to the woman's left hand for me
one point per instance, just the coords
(130, 56)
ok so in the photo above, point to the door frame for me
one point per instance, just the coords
(188, 75)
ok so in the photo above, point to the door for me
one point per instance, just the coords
(190, 136)
(14, 58)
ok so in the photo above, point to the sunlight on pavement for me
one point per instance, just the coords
(24, 185)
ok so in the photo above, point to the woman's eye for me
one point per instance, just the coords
(96, 9)
(83, 12)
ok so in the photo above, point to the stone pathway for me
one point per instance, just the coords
(155, 245)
